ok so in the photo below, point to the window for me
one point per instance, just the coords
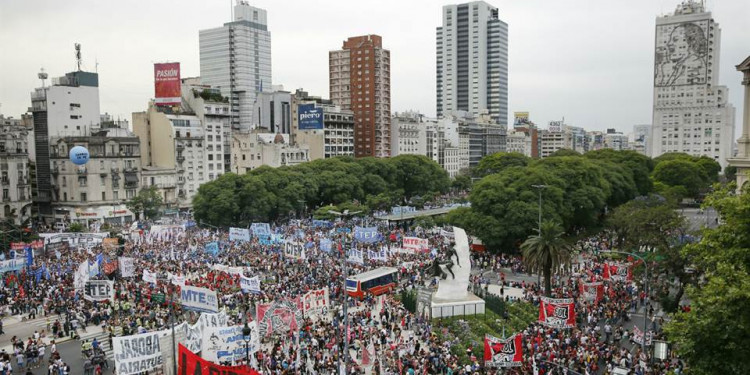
(104, 195)
(115, 195)
(83, 197)
(65, 197)
(130, 193)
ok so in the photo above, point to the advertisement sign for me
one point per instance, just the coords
(417, 244)
(278, 316)
(316, 302)
(127, 267)
(309, 117)
(227, 344)
(190, 363)
(239, 234)
(366, 235)
(137, 354)
(557, 312)
(99, 290)
(503, 353)
(198, 299)
(167, 86)
(250, 284)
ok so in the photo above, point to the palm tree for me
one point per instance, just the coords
(546, 251)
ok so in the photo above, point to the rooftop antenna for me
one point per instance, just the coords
(78, 55)
(42, 75)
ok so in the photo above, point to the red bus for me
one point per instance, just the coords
(376, 282)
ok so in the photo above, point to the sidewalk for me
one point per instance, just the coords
(15, 325)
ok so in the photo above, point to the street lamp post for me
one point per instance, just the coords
(345, 215)
(539, 187)
(246, 332)
(645, 290)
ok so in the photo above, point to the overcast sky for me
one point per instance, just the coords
(590, 61)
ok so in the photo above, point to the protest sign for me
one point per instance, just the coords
(127, 267)
(239, 234)
(278, 316)
(557, 312)
(149, 277)
(250, 284)
(227, 344)
(503, 352)
(325, 245)
(12, 265)
(316, 302)
(366, 235)
(355, 256)
(191, 363)
(176, 279)
(417, 244)
(193, 334)
(293, 249)
(212, 248)
(137, 354)
(261, 229)
(198, 299)
(99, 290)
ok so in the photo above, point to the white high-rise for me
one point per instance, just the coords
(691, 113)
(240, 49)
(472, 61)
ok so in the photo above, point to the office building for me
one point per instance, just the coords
(236, 59)
(641, 139)
(616, 140)
(408, 135)
(522, 123)
(518, 141)
(272, 111)
(254, 149)
(212, 109)
(690, 113)
(472, 61)
(360, 81)
(14, 170)
(336, 138)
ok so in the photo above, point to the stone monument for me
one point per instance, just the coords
(452, 297)
(742, 160)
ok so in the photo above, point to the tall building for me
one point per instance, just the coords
(14, 170)
(212, 109)
(472, 61)
(408, 135)
(360, 81)
(641, 141)
(691, 113)
(240, 49)
(335, 138)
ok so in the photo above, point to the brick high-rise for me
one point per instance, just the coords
(360, 81)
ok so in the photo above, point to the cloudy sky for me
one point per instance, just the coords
(590, 61)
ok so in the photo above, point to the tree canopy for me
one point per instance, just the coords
(679, 173)
(147, 202)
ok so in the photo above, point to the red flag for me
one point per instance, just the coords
(557, 312)
(366, 356)
(503, 353)
(190, 363)
(591, 291)
(21, 292)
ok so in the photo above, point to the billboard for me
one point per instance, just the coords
(309, 117)
(167, 84)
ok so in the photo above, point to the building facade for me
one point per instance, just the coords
(360, 81)
(472, 61)
(236, 59)
(690, 113)
(15, 176)
(272, 111)
(616, 140)
(641, 140)
(337, 136)
(408, 136)
(98, 190)
(518, 141)
(212, 109)
(252, 150)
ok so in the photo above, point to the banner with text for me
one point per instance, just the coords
(366, 235)
(592, 292)
(503, 353)
(417, 244)
(199, 299)
(261, 229)
(127, 267)
(149, 277)
(557, 312)
(250, 284)
(316, 302)
(239, 234)
(193, 334)
(293, 249)
(356, 256)
(99, 290)
(227, 344)
(279, 317)
(137, 354)
(191, 363)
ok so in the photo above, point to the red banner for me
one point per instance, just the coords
(503, 353)
(557, 312)
(167, 84)
(279, 316)
(192, 364)
(110, 267)
(592, 291)
(36, 244)
(614, 272)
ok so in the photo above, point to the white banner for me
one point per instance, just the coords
(228, 269)
(137, 354)
(446, 234)
(418, 244)
(81, 276)
(316, 302)
(638, 336)
(193, 335)
(75, 240)
(380, 255)
(199, 299)
(356, 256)
(239, 234)
(250, 284)
(176, 279)
(127, 267)
(227, 344)
(149, 277)
(294, 249)
(99, 290)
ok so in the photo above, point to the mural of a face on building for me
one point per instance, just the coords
(681, 54)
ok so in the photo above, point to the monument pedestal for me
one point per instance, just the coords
(447, 307)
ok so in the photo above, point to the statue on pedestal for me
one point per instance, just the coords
(458, 265)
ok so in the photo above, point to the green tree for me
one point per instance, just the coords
(714, 337)
(681, 172)
(76, 227)
(417, 175)
(148, 202)
(461, 182)
(644, 223)
(547, 251)
(640, 165)
(498, 161)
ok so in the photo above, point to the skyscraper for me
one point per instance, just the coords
(240, 49)
(360, 81)
(472, 61)
(691, 113)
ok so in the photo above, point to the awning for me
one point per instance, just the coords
(131, 178)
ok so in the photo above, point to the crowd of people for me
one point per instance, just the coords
(384, 336)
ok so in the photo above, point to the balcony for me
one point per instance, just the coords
(81, 170)
(180, 159)
(4, 181)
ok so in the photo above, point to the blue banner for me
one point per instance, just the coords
(309, 117)
(212, 247)
(343, 230)
(261, 229)
(12, 265)
(322, 223)
(325, 245)
(366, 235)
(29, 256)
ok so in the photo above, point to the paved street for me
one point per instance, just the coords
(697, 218)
